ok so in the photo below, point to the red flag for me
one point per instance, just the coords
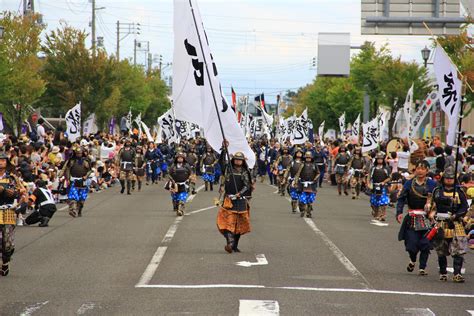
(234, 104)
(234, 98)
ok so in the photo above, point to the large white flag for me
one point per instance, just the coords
(73, 123)
(424, 109)
(321, 133)
(356, 127)
(342, 123)
(147, 131)
(449, 87)
(370, 135)
(128, 121)
(196, 86)
(168, 127)
(90, 126)
(300, 129)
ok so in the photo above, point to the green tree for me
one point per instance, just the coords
(20, 65)
(159, 100)
(68, 69)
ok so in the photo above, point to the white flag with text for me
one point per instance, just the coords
(73, 123)
(197, 92)
(449, 88)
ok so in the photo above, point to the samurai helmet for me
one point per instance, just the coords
(308, 154)
(238, 156)
(449, 173)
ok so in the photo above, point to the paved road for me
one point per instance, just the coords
(130, 255)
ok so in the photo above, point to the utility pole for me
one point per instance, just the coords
(150, 61)
(93, 27)
(128, 28)
(117, 54)
(135, 52)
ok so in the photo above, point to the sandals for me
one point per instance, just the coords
(411, 266)
(5, 269)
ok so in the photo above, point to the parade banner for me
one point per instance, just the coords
(382, 119)
(197, 93)
(167, 124)
(282, 130)
(370, 133)
(449, 89)
(342, 123)
(356, 127)
(147, 131)
(128, 121)
(424, 109)
(321, 133)
(112, 126)
(90, 126)
(299, 133)
(73, 123)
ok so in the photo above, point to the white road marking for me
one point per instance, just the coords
(33, 308)
(314, 289)
(172, 230)
(152, 267)
(261, 260)
(380, 224)
(418, 311)
(63, 208)
(258, 308)
(338, 253)
(160, 252)
(451, 270)
(84, 308)
(192, 196)
(471, 312)
(200, 210)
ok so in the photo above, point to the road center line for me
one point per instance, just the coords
(314, 289)
(256, 308)
(338, 253)
(160, 252)
(200, 210)
(29, 310)
(85, 308)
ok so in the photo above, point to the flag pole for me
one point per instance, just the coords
(458, 143)
(213, 95)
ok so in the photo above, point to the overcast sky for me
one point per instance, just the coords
(258, 45)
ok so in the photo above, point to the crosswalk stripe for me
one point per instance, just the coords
(258, 308)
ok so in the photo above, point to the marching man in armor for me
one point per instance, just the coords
(340, 169)
(192, 160)
(76, 171)
(140, 165)
(306, 180)
(208, 163)
(417, 193)
(296, 165)
(233, 219)
(11, 194)
(179, 174)
(282, 163)
(126, 158)
(356, 169)
(450, 206)
(379, 177)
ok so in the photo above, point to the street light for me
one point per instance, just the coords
(425, 54)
